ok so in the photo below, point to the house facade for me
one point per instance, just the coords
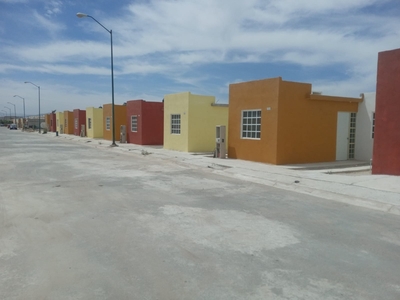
(79, 122)
(120, 119)
(145, 122)
(282, 122)
(94, 122)
(364, 128)
(68, 122)
(190, 122)
(60, 122)
(386, 154)
(53, 122)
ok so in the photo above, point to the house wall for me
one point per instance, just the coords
(68, 122)
(364, 140)
(260, 94)
(47, 120)
(60, 122)
(296, 127)
(134, 107)
(120, 119)
(79, 120)
(386, 153)
(307, 124)
(150, 126)
(53, 122)
(96, 116)
(176, 104)
(152, 123)
(203, 119)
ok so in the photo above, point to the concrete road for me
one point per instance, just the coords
(89, 222)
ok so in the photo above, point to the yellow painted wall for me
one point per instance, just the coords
(203, 119)
(96, 115)
(60, 122)
(68, 122)
(120, 119)
(296, 127)
(198, 121)
(176, 104)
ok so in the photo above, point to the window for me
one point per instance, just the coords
(175, 124)
(352, 135)
(251, 124)
(108, 123)
(76, 123)
(134, 123)
(373, 124)
(66, 122)
(89, 121)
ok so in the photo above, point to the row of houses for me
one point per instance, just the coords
(270, 120)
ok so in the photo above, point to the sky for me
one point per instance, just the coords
(201, 46)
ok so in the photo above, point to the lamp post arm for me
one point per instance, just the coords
(109, 31)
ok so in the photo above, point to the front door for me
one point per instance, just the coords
(342, 135)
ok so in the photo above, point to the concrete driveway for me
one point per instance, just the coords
(86, 222)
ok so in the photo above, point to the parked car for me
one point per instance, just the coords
(13, 126)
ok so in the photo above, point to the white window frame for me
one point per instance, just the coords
(76, 123)
(108, 123)
(250, 129)
(176, 124)
(89, 123)
(134, 121)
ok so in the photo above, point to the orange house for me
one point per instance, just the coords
(282, 122)
(68, 122)
(47, 120)
(120, 119)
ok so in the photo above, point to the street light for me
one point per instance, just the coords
(15, 112)
(82, 15)
(39, 99)
(23, 99)
(9, 109)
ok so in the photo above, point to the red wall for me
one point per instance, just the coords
(150, 122)
(53, 123)
(386, 155)
(81, 115)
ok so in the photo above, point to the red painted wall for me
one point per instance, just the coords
(386, 155)
(150, 129)
(81, 116)
(53, 123)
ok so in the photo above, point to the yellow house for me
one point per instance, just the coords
(190, 122)
(60, 122)
(94, 122)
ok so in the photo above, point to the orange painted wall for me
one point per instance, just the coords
(69, 125)
(295, 127)
(120, 119)
(307, 128)
(258, 94)
(47, 118)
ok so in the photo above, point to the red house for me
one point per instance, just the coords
(53, 122)
(145, 122)
(386, 132)
(79, 120)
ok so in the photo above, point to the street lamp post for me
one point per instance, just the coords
(23, 101)
(15, 112)
(82, 15)
(9, 109)
(39, 99)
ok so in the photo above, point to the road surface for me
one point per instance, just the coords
(80, 221)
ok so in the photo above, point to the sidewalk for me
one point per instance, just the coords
(346, 182)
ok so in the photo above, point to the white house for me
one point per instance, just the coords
(365, 128)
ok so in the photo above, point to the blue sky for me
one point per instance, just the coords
(171, 46)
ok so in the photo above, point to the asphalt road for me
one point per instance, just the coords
(88, 222)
